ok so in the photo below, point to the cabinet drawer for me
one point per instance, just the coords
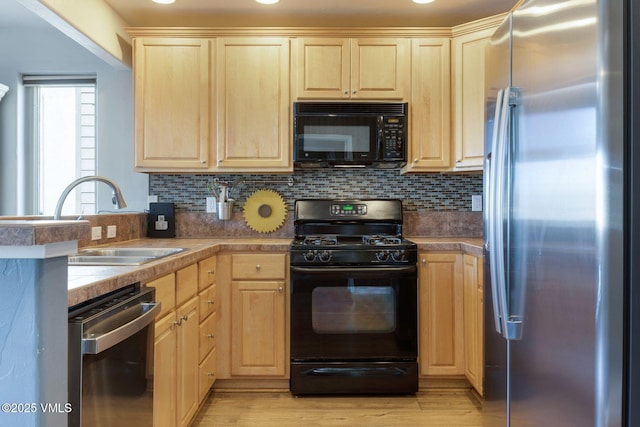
(208, 302)
(207, 374)
(165, 293)
(207, 272)
(207, 335)
(263, 266)
(186, 283)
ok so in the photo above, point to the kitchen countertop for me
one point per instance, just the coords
(86, 282)
(41, 232)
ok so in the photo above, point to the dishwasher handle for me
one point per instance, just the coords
(99, 343)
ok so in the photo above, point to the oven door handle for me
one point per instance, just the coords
(94, 344)
(374, 269)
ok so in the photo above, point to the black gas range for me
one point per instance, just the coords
(353, 299)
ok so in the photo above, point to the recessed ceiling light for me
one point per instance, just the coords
(268, 1)
(164, 1)
(423, 1)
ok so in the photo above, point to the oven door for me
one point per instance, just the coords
(354, 313)
(335, 138)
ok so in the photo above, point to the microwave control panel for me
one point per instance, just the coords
(392, 137)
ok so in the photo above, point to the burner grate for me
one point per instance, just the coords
(320, 240)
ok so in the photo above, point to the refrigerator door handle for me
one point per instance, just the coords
(491, 244)
(510, 325)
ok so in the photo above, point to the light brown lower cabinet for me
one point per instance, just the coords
(258, 328)
(473, 321)
(176, 350)
(253, 332)
(441, 342)
(165, 375)
(188, 361)
(451, 311)
(176, 371)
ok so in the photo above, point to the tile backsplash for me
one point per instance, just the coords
(434, 204)
(425, 192)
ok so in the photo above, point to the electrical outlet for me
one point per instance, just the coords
(211, 205)
(152, 199)
(111, 231)
(96, 233)
(476, 203)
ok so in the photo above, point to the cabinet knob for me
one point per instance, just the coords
(424, 261)
(203, 162)
(210, 302)
(177, 323)
(355, 91)
(211, 336)
(211, 272)
(185, 318)
(415, 160)
(281, 289)
(346, 92)
(258, 267)
(211, 374)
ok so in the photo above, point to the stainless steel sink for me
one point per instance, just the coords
(120, 256)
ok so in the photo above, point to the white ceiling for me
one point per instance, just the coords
(307, 12)
(145, 13)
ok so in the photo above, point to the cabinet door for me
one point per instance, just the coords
(172, 98)
(468, 99)
(430, 146)
(380, 68)
(188, 360)
(253, 104)
(165, 372)
(342, 68)
(258, 328)
(441, 349)
(471, 315)
(323, 68)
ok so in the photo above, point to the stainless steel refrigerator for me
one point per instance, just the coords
(559, 216)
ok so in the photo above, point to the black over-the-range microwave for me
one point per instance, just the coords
(350, 134)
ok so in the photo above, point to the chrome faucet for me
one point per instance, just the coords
(117, 198)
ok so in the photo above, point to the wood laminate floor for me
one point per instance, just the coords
(430, 408)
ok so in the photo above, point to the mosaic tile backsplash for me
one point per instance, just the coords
(419, 193)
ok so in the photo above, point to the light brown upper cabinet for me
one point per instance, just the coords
(430, 141)
(468, 99)
(253, 104)
(172, 99)
(352, 68)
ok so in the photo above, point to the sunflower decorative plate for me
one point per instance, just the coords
(264, 211)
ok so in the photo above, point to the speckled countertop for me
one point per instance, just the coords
(86, 282)
(41, 232)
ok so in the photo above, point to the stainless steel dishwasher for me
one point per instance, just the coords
(111, 359)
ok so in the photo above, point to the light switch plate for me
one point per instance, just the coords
(211, 205)
(111, 231)
(96, 233)
(476, 203)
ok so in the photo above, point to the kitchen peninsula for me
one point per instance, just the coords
(33, 319)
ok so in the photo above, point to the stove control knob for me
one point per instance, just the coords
(310, 256)
(382, 255)
(325, 256)
(398, 255)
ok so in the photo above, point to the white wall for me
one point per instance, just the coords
(46, 50)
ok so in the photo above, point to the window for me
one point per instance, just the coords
(61, 134)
